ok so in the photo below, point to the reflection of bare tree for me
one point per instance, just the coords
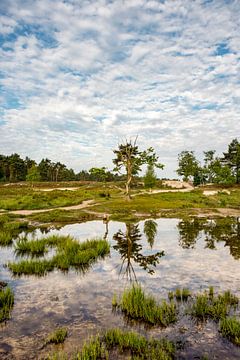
(189, 232)
(226, 229)
(150, 231)
(130, 249)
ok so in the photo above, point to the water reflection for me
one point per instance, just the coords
(150, 231)
(129, 247)
(213, 231)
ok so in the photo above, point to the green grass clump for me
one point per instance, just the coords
(31, 267)
(215, 307)
(137, 305)
(92, 350)
(57, 337)
(69, 254)
(126, 343)
(33, 247)
(230, 328)
(6, 303)
(139, 346)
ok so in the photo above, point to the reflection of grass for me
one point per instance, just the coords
(6, 303)
(125, 343)
(137, 305)
(230, 328)
(57, 337)
(69, 253)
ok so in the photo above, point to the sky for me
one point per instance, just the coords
(78, 77)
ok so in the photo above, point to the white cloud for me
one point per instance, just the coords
(115, 70)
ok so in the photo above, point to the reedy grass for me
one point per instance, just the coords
(69, 254)
(137, 305)
(33, 247)
(230, 328)
(214, 307)
(100, 347)
(57, 337)
(6, 303)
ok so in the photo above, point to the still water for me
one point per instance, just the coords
(160, 254)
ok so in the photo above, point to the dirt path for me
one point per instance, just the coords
(83, 205)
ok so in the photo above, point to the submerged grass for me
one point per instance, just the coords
(57, 337)
(230, 328)
(137, 305)
(69, 254)
(6, 303)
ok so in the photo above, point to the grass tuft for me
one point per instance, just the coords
(135, 304)
(57, 337)
(230, 328)
(6, 303)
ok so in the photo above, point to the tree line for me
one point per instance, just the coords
(14, 169)
(224, 169)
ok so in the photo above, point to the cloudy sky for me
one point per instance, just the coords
(79, 76)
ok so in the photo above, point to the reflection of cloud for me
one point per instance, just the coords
(166, 71)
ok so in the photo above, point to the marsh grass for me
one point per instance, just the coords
(57, 337)
(69, 253)
(33, 247)
(92, 350)
(230, 328)
(9, 229)
(62, 216)
(125, 343)
(6, 303)
(217, 307)
(139, 346)
(137, 305)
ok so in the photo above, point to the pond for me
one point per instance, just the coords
(161, 254)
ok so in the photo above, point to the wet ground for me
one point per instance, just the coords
(197, 254)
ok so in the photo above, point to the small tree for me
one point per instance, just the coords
(187, 165)
(232, 159)
(129, 157)
(98, 174)
(33, 174)
(150, 177)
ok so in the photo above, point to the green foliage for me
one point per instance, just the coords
(33, 174)
(6, 303)
(57, 337)
(137, 305)
(129, 157)
(187, 165)
(230, 328)
(150, 177)
(232, 159)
